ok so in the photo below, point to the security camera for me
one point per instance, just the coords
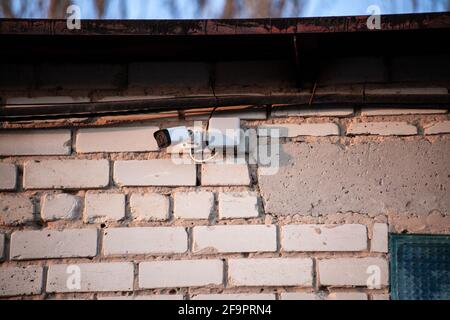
(167, 137)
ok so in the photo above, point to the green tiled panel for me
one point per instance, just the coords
(420, 267)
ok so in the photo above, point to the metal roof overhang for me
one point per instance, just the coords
(307, 43)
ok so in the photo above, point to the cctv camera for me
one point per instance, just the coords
(167, 137)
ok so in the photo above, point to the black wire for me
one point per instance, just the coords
(210, 117)
(207, 128)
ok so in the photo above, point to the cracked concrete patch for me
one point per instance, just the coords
(394, 176)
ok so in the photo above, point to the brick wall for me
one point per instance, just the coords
(106, 203)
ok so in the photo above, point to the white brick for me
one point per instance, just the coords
(381, 296)
(224, 132)
(270, 272)
(2, 246)
(60, 207)
(300, 296)
(154, 173)
(8, 176)
(438, 128)
(278, 112)
(66, 174)
(222, 159)
(102, 207)
(231, 239)
(163, 297)
(382, 129)
(15, 209)
(180, 274)
(193, 205)
(21, 281)
(48, 244)
(225, 174)
(122, 139)
(238, 205)
(235, 297)
(407, 91)
(379, 241)
(296, 130)
(347, 296)
(157, 240)
(95, 277)
(46, 100)
(149, 207)
(348, 237)
(351, 271)
(35, 142)
(369, 112)
(248, 142)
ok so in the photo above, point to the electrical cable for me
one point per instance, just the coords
(203, 160)
(214, 154)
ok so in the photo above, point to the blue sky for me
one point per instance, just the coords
(158, 9)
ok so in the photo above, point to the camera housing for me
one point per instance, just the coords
(171, 136)
(221, 133)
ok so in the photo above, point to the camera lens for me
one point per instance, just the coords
(162, 137)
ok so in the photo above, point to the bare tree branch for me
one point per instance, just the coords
(100, 6)
(229, 9)
(57, 8)
(6, 8)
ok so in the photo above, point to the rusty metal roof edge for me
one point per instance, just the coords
(269, 26)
